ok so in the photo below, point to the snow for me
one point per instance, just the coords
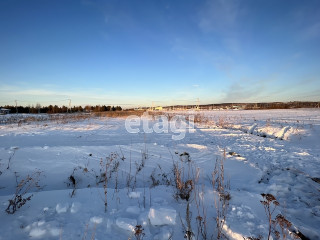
(162, 216)
(96, 220)
(62, 208)
(196, 146)
(269, 151)
(134, 194)
(126, 224)
(133, 210)
(165, 234)
(75, 207)
(37, 232)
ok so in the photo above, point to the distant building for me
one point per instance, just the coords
(4, 111)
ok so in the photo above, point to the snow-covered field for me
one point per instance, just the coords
(262, 151)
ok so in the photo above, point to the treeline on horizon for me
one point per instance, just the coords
(63, 109)
(253, 106)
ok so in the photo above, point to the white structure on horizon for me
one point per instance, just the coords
(4, 111)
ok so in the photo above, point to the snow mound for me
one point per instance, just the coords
(164, 234)
(96, 220)
(282, 132)
(62, 208)
(252, 128)
(75, 207)
(133, 210)
(134, 194)
(37, 232)
(197, 146)
(162, 216)
(126, 224)
(54, 231)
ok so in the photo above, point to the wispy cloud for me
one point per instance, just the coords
(312, 32)
(269, 90)
(186, 50)
(306, 21)
(217, 20)
(219, 16)
(244, 91)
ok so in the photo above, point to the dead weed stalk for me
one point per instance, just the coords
(22, 189)
(222, 202)
(183, 187)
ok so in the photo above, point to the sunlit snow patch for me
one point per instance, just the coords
(37, 232)
(231, 234)
(126, 224)
(62, 208)
(303, 154)
(96, 220)
(282, 132)
(197, 146)
(134, 194)
(162, 216)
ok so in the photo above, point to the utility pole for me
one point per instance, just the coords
(16, 105)
(38, 106)
(198, 104)
(69, 105)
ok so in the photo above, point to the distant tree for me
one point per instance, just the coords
(50, 109)
(56, 109)
(103, 108)
(21, 109)
(87, 108)
(63, 109)
(44, 110)
(38, 107)
(32, 109)
(97, 108)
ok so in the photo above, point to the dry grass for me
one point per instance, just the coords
(183, 187)
(22, 189)
(280, 226)
(201, 218)
(92, 234)
(222, 202)
(108, 166)
(117, 114)
(60, 118)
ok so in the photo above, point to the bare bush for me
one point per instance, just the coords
(201, 218)
(280, 226)
(138, 232)
(159, 177)
(22, 189)
(183, 187)
(269, 203)
(105, 169)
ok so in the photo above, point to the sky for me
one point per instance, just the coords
(134, 52)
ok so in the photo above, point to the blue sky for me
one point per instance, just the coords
(169, 52)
